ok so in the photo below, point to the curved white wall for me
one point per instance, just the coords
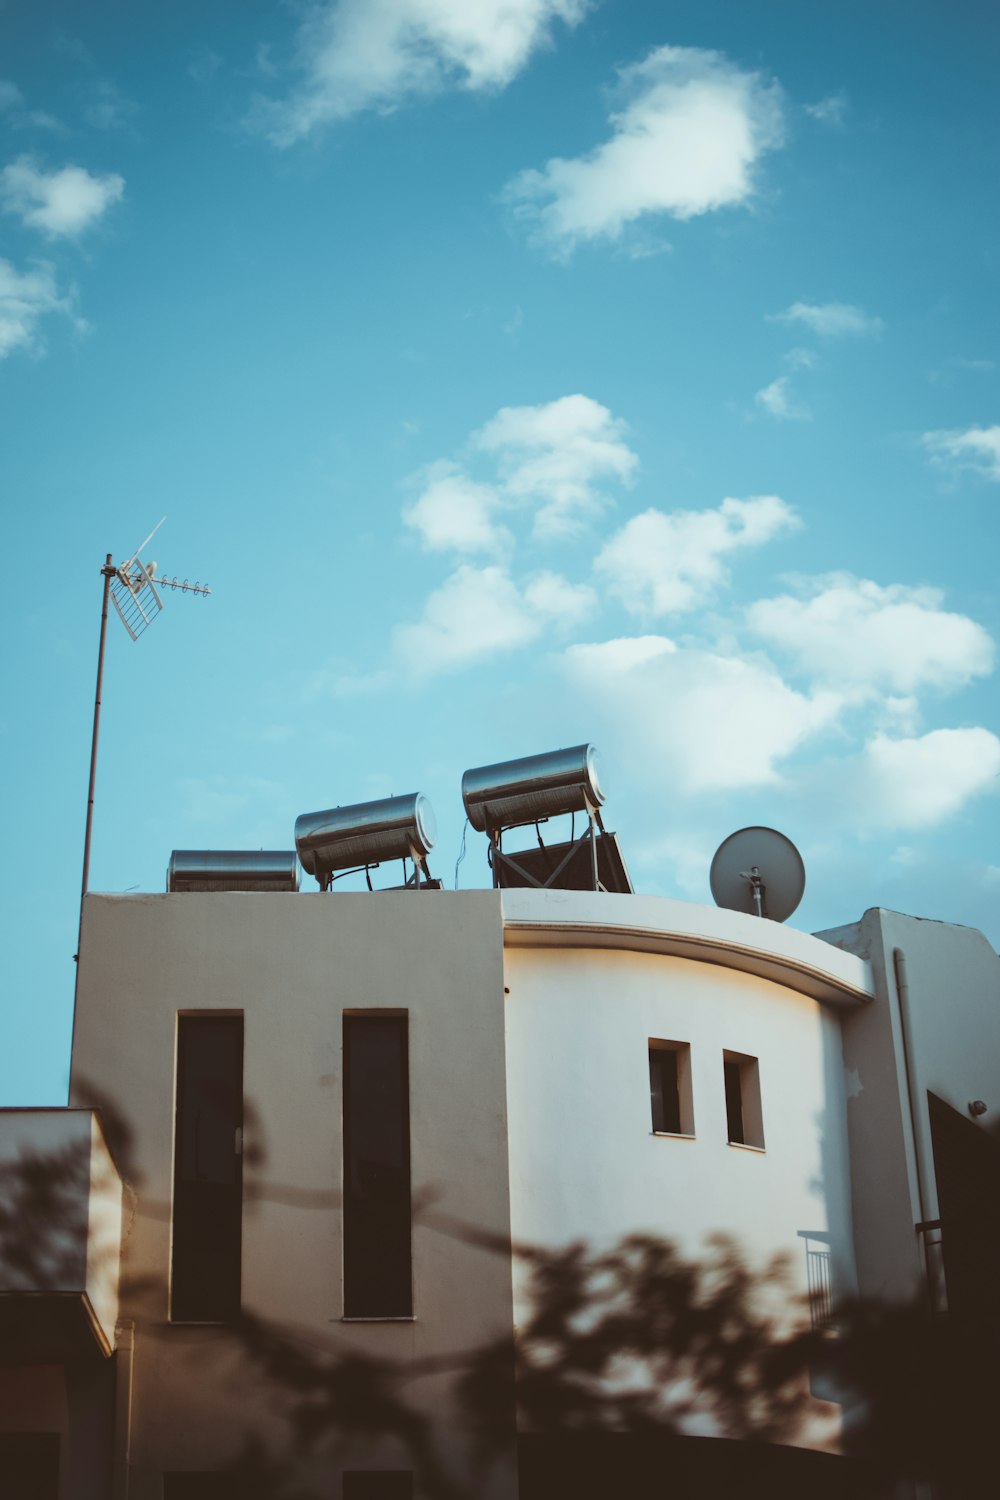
(583, 1160)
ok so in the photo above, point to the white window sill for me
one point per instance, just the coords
(401, 1318)
(673, 1135)
(746, 1146)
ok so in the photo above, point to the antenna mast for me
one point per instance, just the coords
(133, 593)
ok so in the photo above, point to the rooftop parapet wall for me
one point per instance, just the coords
(685, 929)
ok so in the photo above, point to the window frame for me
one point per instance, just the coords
(682, 1087)
(741, 1077)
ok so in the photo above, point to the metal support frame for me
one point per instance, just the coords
(589, 835)
(758, 889)
(410, 882)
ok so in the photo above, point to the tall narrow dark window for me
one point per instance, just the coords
(734, 1101)
(376, 1167)
(208, 1170)
(663, 1094)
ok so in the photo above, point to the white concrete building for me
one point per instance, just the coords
(333, 1114)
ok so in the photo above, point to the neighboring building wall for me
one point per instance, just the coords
(944, 1038)
(952, 1011)
(55, 1165)
(292, 964)
(60, 1243)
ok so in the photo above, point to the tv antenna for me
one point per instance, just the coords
(135, 595)
(759, 871)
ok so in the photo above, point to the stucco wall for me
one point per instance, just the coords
(292, 964)
(584, 1161)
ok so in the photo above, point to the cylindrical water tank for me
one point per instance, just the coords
(364, 834)
(535, 787)
(233, 870)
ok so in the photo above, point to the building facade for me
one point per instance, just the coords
(325, 1152)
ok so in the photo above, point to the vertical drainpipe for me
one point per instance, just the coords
(125, 1341)
(932, 1276)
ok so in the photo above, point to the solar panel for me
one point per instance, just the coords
(565, 867)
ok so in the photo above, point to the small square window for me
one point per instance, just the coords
(670, 1087)
(744, 1120)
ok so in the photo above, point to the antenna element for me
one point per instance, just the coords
(131, 590)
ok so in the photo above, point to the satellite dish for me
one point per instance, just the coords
(759, 871)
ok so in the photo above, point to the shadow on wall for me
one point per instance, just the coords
(621, 1351)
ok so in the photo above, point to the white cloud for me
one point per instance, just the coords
(555, 456)
(855, 632)
(12, 105)
(956, 365)
(357, 684)
(687, 140)
(357, 55)
(60, 204)
(913, 783)
(664, 563)
(976, 448)
(480, 611)
(977, 366)
(109, 109)
(779, 400)
(550, 459)
(25, 298)
(691, 719)
(454, 512)
(42, 120)
(205, 65)
(835, 320)
(829, 111)
(553, 598)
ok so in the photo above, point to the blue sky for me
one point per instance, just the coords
(516, 374)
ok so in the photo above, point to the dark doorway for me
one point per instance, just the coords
(967, 1169)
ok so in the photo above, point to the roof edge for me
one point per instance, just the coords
(685, 929)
